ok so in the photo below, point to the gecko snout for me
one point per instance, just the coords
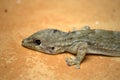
(22, 42)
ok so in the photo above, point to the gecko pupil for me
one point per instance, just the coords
(52, 48)
(38, 42)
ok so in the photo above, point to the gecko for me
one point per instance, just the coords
(78, 43)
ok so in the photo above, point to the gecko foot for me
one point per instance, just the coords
(72, 61)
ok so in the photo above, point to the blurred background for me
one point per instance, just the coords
(21, 18)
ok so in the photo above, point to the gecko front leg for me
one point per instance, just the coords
(81, 52)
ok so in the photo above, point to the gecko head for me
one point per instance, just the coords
(44, 41)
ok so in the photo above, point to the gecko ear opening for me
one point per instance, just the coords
(37, 42)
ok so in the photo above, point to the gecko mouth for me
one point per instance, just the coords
(30, 45)
(25, 44)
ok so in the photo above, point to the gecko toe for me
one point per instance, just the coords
(70, 61)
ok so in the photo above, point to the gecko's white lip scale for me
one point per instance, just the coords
(79, 42)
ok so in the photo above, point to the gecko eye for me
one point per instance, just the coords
(52, 48)
(38, 42)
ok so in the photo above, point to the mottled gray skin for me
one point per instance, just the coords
(80, 42)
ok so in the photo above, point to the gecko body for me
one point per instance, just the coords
(79, 42)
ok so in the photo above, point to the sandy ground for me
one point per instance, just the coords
(21, 18)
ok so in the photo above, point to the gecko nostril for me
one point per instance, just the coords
(22, 41)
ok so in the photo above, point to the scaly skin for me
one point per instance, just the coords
(80, 42)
